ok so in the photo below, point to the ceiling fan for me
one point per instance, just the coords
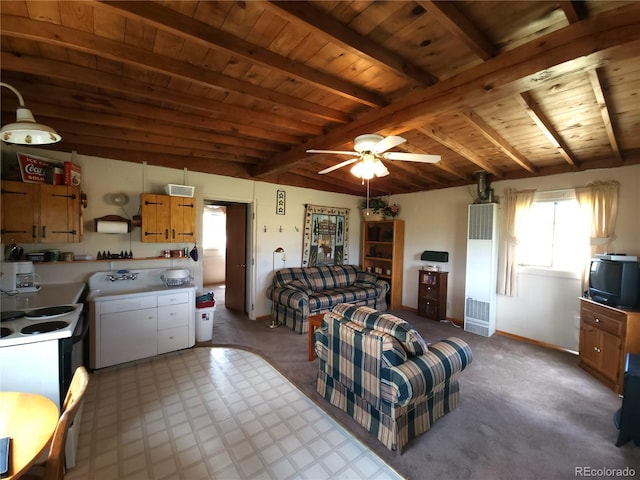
(370, 150)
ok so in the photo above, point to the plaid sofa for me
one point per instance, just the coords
(378, 369)
(299, 292)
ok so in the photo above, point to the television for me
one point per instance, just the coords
(615, 283)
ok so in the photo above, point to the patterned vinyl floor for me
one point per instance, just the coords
(211, 413)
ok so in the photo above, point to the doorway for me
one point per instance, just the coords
(224, 238)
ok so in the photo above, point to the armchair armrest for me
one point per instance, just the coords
(419, 376)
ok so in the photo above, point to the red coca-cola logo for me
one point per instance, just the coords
(32, 169)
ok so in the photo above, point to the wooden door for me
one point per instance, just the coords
(156, 218)
(235, 265)
(59, 214)
(19, 212)
(183, 219)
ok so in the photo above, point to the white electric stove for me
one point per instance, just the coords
(42, 343)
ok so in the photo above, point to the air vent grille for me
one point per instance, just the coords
(481, 222)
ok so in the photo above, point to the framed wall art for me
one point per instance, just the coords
(281, 202)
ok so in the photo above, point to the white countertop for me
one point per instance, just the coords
(48, 296)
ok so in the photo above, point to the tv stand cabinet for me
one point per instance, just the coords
(607, 335)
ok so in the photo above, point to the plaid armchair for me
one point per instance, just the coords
(299, 292)
(378, 369)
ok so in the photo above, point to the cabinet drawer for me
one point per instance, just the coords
(604, 319)
(173, 298)
(173, 316)
(172, 339)
(429, 293)
(128, 304)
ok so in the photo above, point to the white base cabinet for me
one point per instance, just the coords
(126, 328)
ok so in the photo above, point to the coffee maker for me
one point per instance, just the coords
(19, 277)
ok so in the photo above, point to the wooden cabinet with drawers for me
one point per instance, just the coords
(607, 334)
(432, 294)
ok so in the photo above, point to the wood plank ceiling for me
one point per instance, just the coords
(515, 88)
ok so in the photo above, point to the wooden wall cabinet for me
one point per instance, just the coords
(40, 213)
(432, 294)
(382, 252)
(183, 219)
(168, 219)
(607, 334)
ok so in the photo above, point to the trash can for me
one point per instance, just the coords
(204, 323)
(205, 309)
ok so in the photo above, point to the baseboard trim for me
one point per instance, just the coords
(536, 342)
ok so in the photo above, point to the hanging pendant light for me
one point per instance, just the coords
(25, 131)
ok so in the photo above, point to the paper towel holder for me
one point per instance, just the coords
(111, 220)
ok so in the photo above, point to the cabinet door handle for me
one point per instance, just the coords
(597, 349)
(44, 232)
(597, 320)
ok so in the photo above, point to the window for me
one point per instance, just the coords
(553, 235)
(214, 228)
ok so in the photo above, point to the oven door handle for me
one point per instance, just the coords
(85, 328)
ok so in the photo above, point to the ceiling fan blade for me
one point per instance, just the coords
(339, 165)
(412, 157)
(339, 152)
(387, 143)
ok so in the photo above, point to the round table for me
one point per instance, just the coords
(29, 420)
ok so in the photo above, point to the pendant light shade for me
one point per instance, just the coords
(25, 131)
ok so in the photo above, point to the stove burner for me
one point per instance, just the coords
(5, 332)
(11, 315)
(49, 312)
(43, 327)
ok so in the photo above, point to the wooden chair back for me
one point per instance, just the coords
(54, 466)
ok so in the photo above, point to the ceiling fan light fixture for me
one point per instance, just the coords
(369, 167)
(25, 130)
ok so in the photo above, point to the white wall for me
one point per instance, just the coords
(545, 310)
(547, 306)
(101, 177)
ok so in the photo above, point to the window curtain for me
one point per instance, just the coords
(517, 204)
(599, 205)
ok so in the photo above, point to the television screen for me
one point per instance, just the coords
(615, 283)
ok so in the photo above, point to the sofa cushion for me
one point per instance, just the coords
(300, 286)
(407, 335)
(329, 297)
(333, 276)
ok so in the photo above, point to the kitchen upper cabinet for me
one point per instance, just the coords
(40, 213)
(59, 214)
(156, 218)
(168, 219)
(19, 212)
(183, 219)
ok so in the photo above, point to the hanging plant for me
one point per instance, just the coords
(376, 204)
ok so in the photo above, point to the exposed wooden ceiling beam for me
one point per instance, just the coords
(589, 43)
(544, 124)
(122, 85)
(460, 149)
(598, 84)
(51, 34)
(209, 37)
(494, 137)
(573, 10)
(329, 28)
(450, 17)
(97, 104)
